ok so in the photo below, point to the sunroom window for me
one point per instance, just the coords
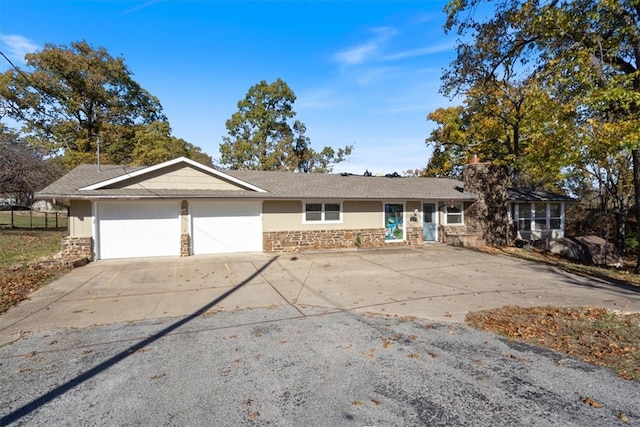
(555, 216)
(322, 212)
(539, 216)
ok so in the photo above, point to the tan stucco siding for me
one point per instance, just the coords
(413, 209)
(180, 178)
(80, 218)
(286, 215)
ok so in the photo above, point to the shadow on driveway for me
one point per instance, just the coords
(60, 390)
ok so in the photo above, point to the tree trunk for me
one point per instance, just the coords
(636, 183)
(620, 229)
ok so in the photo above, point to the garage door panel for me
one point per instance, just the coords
(141, 229)
(226, 227)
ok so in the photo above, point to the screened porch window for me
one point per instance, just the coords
(555, 216)
(539, 216)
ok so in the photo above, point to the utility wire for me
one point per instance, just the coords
(16, 68)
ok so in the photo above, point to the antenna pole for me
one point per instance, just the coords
(98, 150)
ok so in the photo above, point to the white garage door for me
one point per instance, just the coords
(138, 229)
(226, 226)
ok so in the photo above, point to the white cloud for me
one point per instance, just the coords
(141, 6)
(16, 46)
(317, 99)
(367, 77)
(368, 49)
(420, 52)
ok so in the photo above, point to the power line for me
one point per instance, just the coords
(16, 68)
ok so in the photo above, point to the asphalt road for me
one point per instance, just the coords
(278, 366)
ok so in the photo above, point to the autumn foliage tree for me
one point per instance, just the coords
(262, 137)
(583, 54)
(70, 98)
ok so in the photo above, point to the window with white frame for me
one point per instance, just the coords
(454, 213)
(322, 212)
(555, 216)
(524, 216)
(539, 216)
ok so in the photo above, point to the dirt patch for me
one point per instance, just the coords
(595, 335)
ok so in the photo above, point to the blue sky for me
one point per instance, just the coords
(365, 73)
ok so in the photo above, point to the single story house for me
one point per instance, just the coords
(182, 208)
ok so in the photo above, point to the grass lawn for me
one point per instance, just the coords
(17, 249)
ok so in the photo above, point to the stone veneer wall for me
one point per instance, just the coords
(488, 216)
(185, 245)
(77, 247)
(293, 241)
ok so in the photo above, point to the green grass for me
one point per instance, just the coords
(21, 246)
(27, 219)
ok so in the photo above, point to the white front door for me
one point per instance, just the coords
(429, 222)
(138, 228)
(226, 226)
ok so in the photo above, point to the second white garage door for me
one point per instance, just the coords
(226, 226)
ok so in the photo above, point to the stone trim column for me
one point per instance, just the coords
(185, 238)
(76, 247)
(185, 245)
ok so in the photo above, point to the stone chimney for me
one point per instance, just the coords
(488, 216)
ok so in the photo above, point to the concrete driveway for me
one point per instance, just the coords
(436, 282)
(308, 347)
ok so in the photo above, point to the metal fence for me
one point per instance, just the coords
(33, 219)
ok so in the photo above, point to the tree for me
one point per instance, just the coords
(503, 124)
(582, 52)
(153, 144)
(74, 95)
(450, 143)
(260, 136)
(23, 168)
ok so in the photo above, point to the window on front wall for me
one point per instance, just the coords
(453, 213)
(322, 212)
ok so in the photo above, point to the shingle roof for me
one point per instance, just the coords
(521, 194)
(278, 185)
